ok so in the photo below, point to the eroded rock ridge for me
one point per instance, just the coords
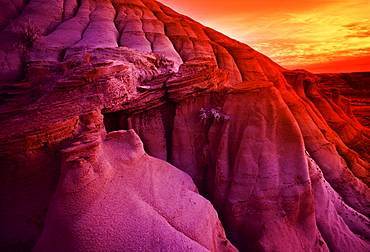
(98, 85)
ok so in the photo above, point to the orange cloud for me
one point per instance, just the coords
(293, 33)
(358, 30)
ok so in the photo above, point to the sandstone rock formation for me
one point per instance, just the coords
(355, 87)
(113, 196)
(282, 159)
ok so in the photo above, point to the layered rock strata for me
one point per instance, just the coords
(282, 159)
(355, 87)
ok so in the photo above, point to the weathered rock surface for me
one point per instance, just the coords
(355, 87)
(282, 159)
(112, 196)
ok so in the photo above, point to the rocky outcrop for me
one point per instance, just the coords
(281, 158)
(113, 196)
(64, 127)
(355, 87)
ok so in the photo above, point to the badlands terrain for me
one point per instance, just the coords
(126, 126)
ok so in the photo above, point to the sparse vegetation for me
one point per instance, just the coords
(214, 114)
(28, 34)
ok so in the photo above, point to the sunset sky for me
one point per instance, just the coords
(317, 35)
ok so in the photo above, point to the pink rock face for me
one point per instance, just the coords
(281, 158)
(112, 196)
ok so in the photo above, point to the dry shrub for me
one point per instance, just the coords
(28, 33)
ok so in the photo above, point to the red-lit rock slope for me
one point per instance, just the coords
(355, 87)
(95, 93)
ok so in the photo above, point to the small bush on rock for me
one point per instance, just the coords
(213, 114)
(28, 33)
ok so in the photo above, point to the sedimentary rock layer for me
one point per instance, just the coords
(282, 159)
(355, 87)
